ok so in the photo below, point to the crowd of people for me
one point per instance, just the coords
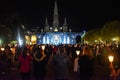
(91, 64)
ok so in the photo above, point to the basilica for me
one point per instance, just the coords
(56, 34)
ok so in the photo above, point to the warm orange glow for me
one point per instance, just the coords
(110, 58)
(2, 49)
(27, 38)
(43, 47)
(77, 52)
(33, 39)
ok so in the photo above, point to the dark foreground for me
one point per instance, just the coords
(12, 73)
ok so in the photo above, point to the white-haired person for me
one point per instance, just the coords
(61, 64)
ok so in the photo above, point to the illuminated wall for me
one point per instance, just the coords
(57, 38)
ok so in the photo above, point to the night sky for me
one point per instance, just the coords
(80, 14)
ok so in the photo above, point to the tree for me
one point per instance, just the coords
(111, 30)
(5, 33)
(14, 21)
(92, 35)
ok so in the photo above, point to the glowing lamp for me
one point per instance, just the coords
(110, 58)
(43, 47)
(11, 49)
(2, 49)
(77, 52)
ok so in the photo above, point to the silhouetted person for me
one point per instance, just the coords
(86, 61)
(39, 64)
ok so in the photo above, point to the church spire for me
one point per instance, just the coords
(46, 25)
(65, 22)
(65, 25)
(55, 20)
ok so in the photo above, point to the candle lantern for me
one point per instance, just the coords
(110, 58)
(43, 47)
(77, 52)
(2, 49)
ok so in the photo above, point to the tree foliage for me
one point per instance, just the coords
(5, 33)
(106, 33)
(111, 30)
(93, 35)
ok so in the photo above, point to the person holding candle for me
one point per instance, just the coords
(76, 65)
(113, 73)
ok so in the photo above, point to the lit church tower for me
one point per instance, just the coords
(56, 34)
(55, 20)
(65, 29)
(46, 28)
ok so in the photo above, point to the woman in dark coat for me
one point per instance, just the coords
(86, 61)
(39, 64)
(61, 64)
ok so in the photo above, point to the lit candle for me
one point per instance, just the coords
(43, 47)
(2, 49)
(77, 52)
(110, 58)
(11, 49)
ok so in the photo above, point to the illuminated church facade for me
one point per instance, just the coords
(55, 35)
